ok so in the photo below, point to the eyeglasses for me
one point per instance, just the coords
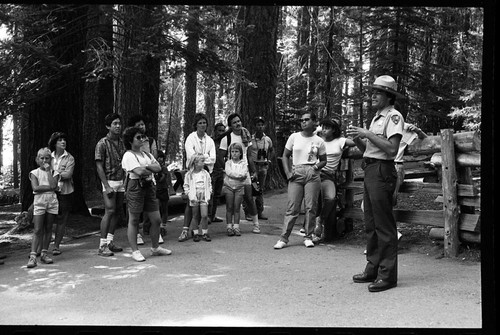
(140, 137)
(305, 119)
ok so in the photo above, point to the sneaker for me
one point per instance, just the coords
(160, 240)
(237, 231)
(184, 236)
(160, 252)
(196, 238)
(45, 259)
(140, 241)
(137, 256)
(256, 229)
(280, 244)
(248, 218)
(308, 243)
(216, 219)
(230, 232)
(104, 251)
(56, 251)
(262, 217)
(32, 262)
(206, 237)
(114, 248)
(302, 231)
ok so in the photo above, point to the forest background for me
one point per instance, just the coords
(64, 67)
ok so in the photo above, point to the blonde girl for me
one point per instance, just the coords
(198, 187)
(44, 182)
(236, 175)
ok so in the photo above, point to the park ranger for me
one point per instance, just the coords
(380, 145)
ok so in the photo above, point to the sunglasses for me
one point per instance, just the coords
(305, 119)
(141, 137)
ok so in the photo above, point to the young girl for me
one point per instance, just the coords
(44, 184)
(198, 186)
(236, 174)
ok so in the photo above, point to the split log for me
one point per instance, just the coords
(470, 159)
(469, 141)
(438, 234)
(450, 203)
(435, 218)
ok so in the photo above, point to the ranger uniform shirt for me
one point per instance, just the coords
(386, 123)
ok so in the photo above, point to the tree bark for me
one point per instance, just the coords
(191, 70)
(98, 98)
(61, 107)
(259, 61)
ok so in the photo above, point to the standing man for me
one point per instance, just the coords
(261, 151)
(380, 145)
(217, 173)
(242, 135)
(108, 156)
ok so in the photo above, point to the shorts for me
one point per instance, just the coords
(45, 203)
(65, 202)
(141, 199)
(116, 185)
(200, 198)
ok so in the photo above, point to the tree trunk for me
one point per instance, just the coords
(15, 149)
(259, 61)
(191, 69)
(98, 99)
(61, 107)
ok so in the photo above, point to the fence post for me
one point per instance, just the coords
(450, 202)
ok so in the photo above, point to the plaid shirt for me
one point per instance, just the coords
(111, 155)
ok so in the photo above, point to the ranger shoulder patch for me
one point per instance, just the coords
(395, 119)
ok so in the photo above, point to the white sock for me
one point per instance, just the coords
(204, 231)
(229, 226)
(102, 242)
(236, 226)
(110, 237)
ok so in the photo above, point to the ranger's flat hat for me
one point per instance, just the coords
(387, 84)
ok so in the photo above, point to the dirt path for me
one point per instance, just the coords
(236, 282)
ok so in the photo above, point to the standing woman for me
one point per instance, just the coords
(63, 163)
(308, 157)
(141, 191)
(198, 142)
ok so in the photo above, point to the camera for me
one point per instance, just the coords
(261, 154)
(145, 182)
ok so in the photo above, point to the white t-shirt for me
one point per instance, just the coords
(235, 139)
(305, 150)
(334, 150)
(132, 160)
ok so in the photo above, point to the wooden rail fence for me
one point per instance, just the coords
(452, 155)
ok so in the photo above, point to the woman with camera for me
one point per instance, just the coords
(141, 191)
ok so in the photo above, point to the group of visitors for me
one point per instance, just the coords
(227, 164)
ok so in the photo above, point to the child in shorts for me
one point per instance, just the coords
(236, 175)
(198, 188)
(44, 182)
